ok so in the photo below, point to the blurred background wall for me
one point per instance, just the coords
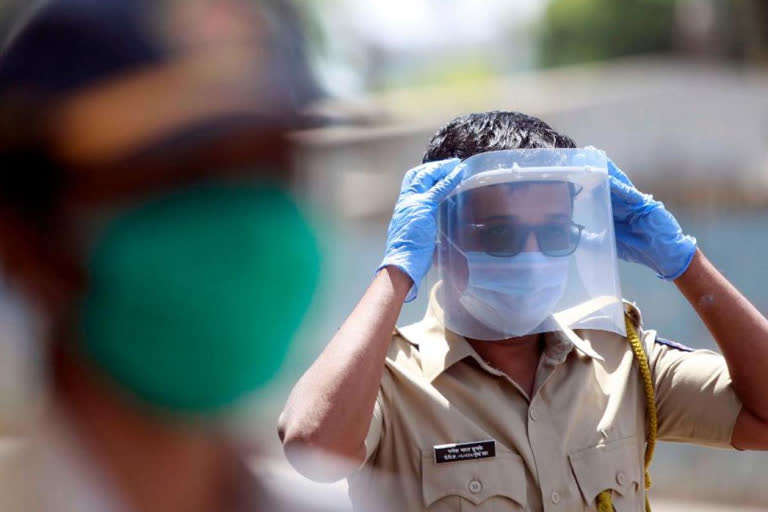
(676, 91)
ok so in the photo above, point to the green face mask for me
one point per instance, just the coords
(194, 297)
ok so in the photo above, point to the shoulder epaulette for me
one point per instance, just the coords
(673, 344)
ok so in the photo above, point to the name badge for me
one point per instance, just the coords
(464, 451)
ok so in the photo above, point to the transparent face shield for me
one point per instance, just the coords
(526, 245)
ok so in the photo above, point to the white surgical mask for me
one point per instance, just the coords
(513, 294)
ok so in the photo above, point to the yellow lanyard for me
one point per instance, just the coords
(604, 501)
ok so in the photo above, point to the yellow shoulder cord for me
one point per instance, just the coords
(604, 502)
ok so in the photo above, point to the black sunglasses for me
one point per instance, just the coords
(508, 239)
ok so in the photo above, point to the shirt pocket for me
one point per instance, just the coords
(495, 484)
(613, 466)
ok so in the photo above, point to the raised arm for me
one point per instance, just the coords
(741, 331)
(330, 408)
(647, 233)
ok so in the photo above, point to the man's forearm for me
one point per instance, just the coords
(739, 328)
(331, 406)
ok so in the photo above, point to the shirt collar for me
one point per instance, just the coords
(441, 348)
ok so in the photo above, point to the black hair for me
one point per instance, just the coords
(471, 134)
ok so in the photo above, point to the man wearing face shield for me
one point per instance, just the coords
(529, 384)
(505, 257)
(145, 217)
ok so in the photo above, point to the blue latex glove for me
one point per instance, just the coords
(413, 229)
(645, 231)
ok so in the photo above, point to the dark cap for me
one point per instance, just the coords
(100, 86)
(69, 44)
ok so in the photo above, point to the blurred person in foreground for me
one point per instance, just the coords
(144, 214)
(530, 384)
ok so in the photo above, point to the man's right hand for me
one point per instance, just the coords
(331, 407)
(412, 231)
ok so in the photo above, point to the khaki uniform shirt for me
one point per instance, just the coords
(581, 432)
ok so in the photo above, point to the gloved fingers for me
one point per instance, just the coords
(624, 193)
(430, 173)
(448, 183)
(617, 173)
(409, 176)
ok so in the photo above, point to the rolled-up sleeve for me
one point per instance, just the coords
(695, 400)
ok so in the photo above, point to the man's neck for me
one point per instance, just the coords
(516, 357)
(151, 464)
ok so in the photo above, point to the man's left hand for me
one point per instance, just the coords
(646, 232)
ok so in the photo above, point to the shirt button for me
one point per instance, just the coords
(532, 414)
(475, 486)
(555, 497)
(620, 478)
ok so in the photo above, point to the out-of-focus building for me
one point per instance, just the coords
(695, 134)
